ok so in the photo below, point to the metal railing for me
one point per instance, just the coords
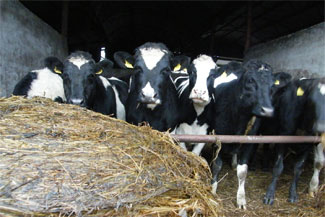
(246, 139)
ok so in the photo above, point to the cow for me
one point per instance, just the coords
(299, 106)
(281, 79)
(236, 102)
(194, 99)
(46, 82)
(85, 85)
(152, 94)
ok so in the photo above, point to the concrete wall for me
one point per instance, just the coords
(302, 52)
(25, 40)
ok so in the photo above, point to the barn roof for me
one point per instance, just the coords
(211, 27)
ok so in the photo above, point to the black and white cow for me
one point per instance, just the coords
(281, 79)
(152, 94)
(46, 82)
(299, 106)
(85, 86)
(194, 99)
(236, 102)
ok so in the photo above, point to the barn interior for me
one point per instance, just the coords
(289, 35)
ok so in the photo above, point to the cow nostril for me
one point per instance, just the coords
(155, 95)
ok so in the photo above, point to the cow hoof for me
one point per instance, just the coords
(268, 201)
(312, 194)
(293, 199)
(242, 207)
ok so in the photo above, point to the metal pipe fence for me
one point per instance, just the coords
(246, 139)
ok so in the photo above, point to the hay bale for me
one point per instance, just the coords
(64, 159)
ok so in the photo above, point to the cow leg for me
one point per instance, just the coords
(277, 170)
(242, 168)
(266, 157)
(293, 197)
(319, 163)
(198, 148)
(234, 161)
(216, 168)
(253, 160)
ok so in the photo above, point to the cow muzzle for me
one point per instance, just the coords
(199, 96)
(264, 111)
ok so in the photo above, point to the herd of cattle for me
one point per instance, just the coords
(194, 97)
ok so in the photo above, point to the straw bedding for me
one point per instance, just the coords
(64, 159)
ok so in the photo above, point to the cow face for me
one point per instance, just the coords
(152, 68)
(256, 85)
(201, 68)
(77, 67)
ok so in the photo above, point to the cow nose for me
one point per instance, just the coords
(268, 112)
(76, 101)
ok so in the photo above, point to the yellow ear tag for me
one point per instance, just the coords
(300, 91)
(185, 70)
(277, 82)
(224, 74)
(128, 65)
(57, 71)
(99, 72)
(178, 67)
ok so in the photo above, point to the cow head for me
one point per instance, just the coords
(77, 67)
(152, 68)
(255, 86)
(200, 70)
(281, 79)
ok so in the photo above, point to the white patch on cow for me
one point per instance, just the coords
(105, 82)
(120, 109)
(148, 91)
(47, 84)
(151, 56)
(194, 129)
(241, 175)
(130, 83)
(214, 188)
(261, 68)
(78, 61)
(203, 65)
(221, 79)
(321, 88)
(183, 71)
(182, 86)
(319, 163)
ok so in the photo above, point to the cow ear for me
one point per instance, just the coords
(124, 60)
(180, 63)
(54, 64)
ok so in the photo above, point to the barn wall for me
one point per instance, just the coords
(302, 52)
(25, 40)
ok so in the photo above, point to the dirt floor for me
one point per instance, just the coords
(256, 185)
